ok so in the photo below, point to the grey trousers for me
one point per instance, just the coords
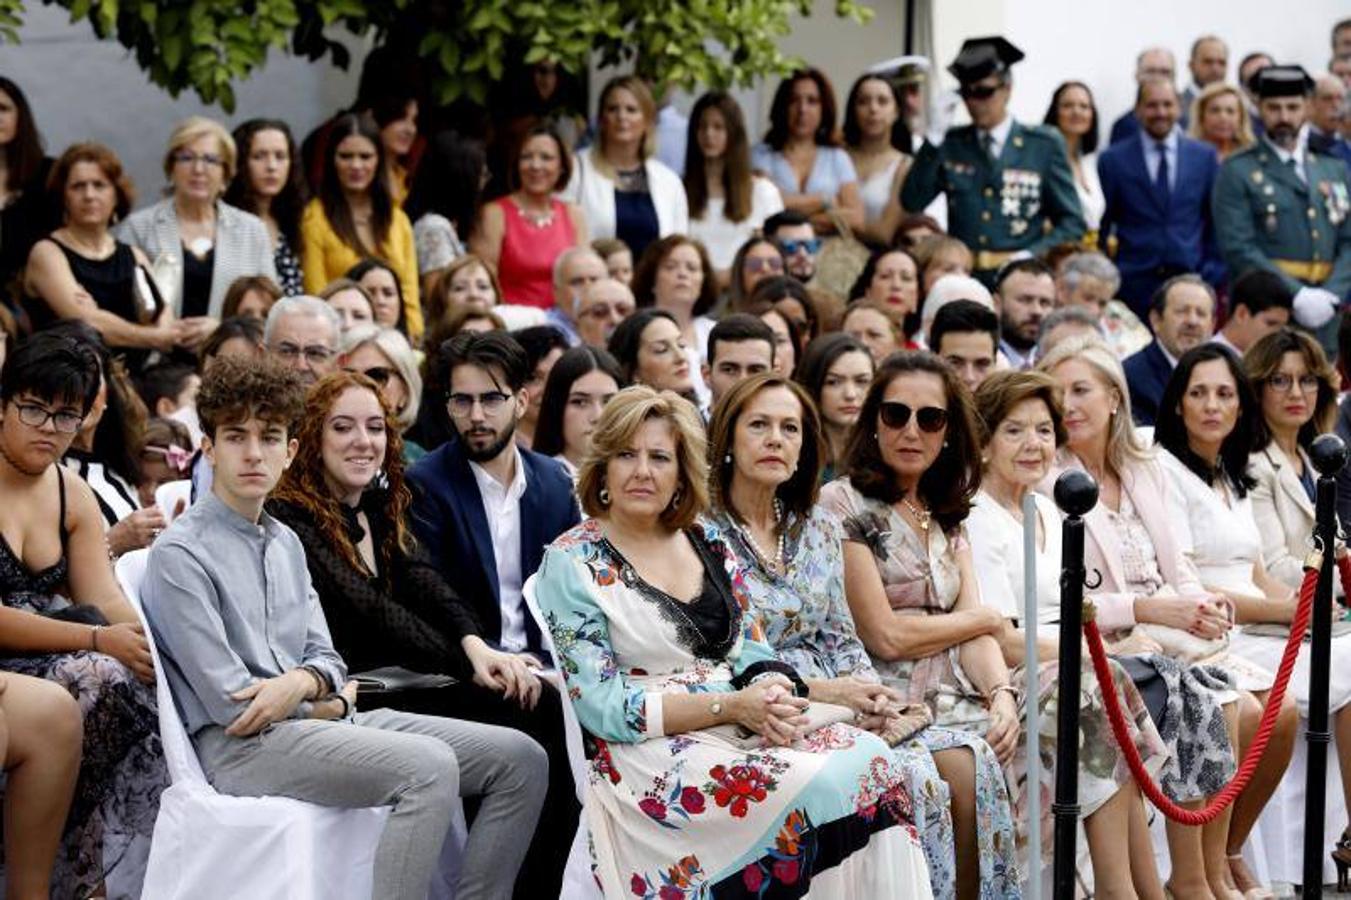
(419, 765)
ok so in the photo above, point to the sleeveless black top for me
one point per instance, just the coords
(111, 282)
(15, 577)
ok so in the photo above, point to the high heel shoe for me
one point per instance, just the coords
(1341, 857)
(1256, 892)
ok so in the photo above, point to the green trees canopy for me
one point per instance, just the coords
(208, 45)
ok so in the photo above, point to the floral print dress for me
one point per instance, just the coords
(806, 619)
(919, 584)
(695, 814)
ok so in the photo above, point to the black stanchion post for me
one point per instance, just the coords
(1328, 454)
(1075, 493)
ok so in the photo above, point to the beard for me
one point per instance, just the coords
(1283, 136)
(483, 453)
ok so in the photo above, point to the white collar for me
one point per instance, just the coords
(1285, 155)
(486, 482)
(1000, 133)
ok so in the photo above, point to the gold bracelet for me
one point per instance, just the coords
(94, 638)
(997, 690)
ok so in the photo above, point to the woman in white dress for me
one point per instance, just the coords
(1208, 422)
(646, 606)
(1074, 114)
(728, 202)
(878, 144)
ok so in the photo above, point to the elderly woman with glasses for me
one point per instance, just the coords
(198, 244)
(911, 472)
(708, 778)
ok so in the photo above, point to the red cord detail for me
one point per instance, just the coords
(1303, 613)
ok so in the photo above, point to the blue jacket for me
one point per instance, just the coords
(1147, 374)
(1154, 240)
(448, 518)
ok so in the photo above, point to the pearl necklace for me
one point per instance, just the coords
(922, 516)
(775, 562)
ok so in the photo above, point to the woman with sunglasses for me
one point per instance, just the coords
(1150, 600)
(1296, 389)
(757, 260)
(911, 472)
(384, 356)
(65, 619)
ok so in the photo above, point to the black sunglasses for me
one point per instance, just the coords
(929, 418)
(379, 374)
(978, 91)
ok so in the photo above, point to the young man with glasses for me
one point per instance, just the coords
(484, 508)
(1009, 188)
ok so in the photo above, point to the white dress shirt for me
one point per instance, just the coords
(502, 508)
(1298, 154)
(999, 136)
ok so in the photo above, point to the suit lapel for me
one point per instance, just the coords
(1135, 158)
(464, 487)
(1288, 480)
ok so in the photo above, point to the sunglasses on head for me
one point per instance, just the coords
(978, 91)
(930, 419)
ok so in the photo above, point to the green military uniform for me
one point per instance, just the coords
(1023, 201)
(1266, 218)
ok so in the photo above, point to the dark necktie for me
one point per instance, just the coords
(987, 144)
(1161, 181)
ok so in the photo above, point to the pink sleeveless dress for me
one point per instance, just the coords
(525, 266)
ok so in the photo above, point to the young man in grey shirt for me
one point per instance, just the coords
(266, 698)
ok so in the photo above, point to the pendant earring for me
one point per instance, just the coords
(603, 495)
(675, 500)
(727, 460)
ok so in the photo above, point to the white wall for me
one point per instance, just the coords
(82, 88)
(1097, 42)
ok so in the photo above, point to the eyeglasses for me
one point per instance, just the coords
(978, 91)
(190, 159)
(1283, 382)
(379, 374)
(463, 404)
(36, 416)
(315, 354)
(810, 246)
(930, 419)
(758, 264)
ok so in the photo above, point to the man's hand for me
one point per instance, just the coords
(271, 700)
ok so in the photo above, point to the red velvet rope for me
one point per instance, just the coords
(1303, 613)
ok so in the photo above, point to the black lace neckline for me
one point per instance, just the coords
(709, 624)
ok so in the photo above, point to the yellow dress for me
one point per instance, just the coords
(326, 256)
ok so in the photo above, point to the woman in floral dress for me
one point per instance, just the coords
(52, 547)
(767, 449)
(707, 780)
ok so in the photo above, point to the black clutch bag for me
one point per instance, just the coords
(395, 679)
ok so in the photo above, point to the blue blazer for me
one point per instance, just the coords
(448, 518)
(1147, 374)
(1156, 240)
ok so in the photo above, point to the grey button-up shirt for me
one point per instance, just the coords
(230, 602)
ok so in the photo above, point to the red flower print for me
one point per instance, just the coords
(653, 807)
(692, 801)
(786, 870)
(738, 787)
(752, 876)
(671, 892)
(638, 885)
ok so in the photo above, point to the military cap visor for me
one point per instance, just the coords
(1281, 81)
(982, 57)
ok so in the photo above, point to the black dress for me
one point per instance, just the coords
(27, 218)
(122, 770)
(411, 617)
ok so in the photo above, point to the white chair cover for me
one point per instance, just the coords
(168, 495)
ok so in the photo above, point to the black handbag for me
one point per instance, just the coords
(396, 679)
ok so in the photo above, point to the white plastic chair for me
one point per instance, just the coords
(209, 846)
(168, 495)
(578, 882)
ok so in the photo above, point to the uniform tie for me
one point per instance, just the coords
(987, 144)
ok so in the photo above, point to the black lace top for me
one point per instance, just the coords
(15, 577)
(710, 623)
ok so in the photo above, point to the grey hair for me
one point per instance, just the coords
(1066, 315)
(1090, 264)
(302, 305)
(395, 348)
(565, 259)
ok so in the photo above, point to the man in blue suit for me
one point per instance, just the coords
(1182, 314)
(1157, 187)
(484, 508)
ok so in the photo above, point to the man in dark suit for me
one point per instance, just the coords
(1157, 187)
(1182, 315)
(1009, 187)
(484, 508)
(1327, 110)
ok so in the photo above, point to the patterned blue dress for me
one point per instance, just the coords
(697, 814)
(806, 620)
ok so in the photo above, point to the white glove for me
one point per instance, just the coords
(1314, 306)
(941, 116)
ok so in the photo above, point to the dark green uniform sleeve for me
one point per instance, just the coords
(1061, 201)
(925, 179)
(1235, 229)
(1339, 282)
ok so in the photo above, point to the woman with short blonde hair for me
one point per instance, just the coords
(1219, 116)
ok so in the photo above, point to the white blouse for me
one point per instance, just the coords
(1091, 198)
(1215, 528)
(996, 539)
(723, 237)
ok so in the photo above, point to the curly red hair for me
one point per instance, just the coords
(304, 485)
